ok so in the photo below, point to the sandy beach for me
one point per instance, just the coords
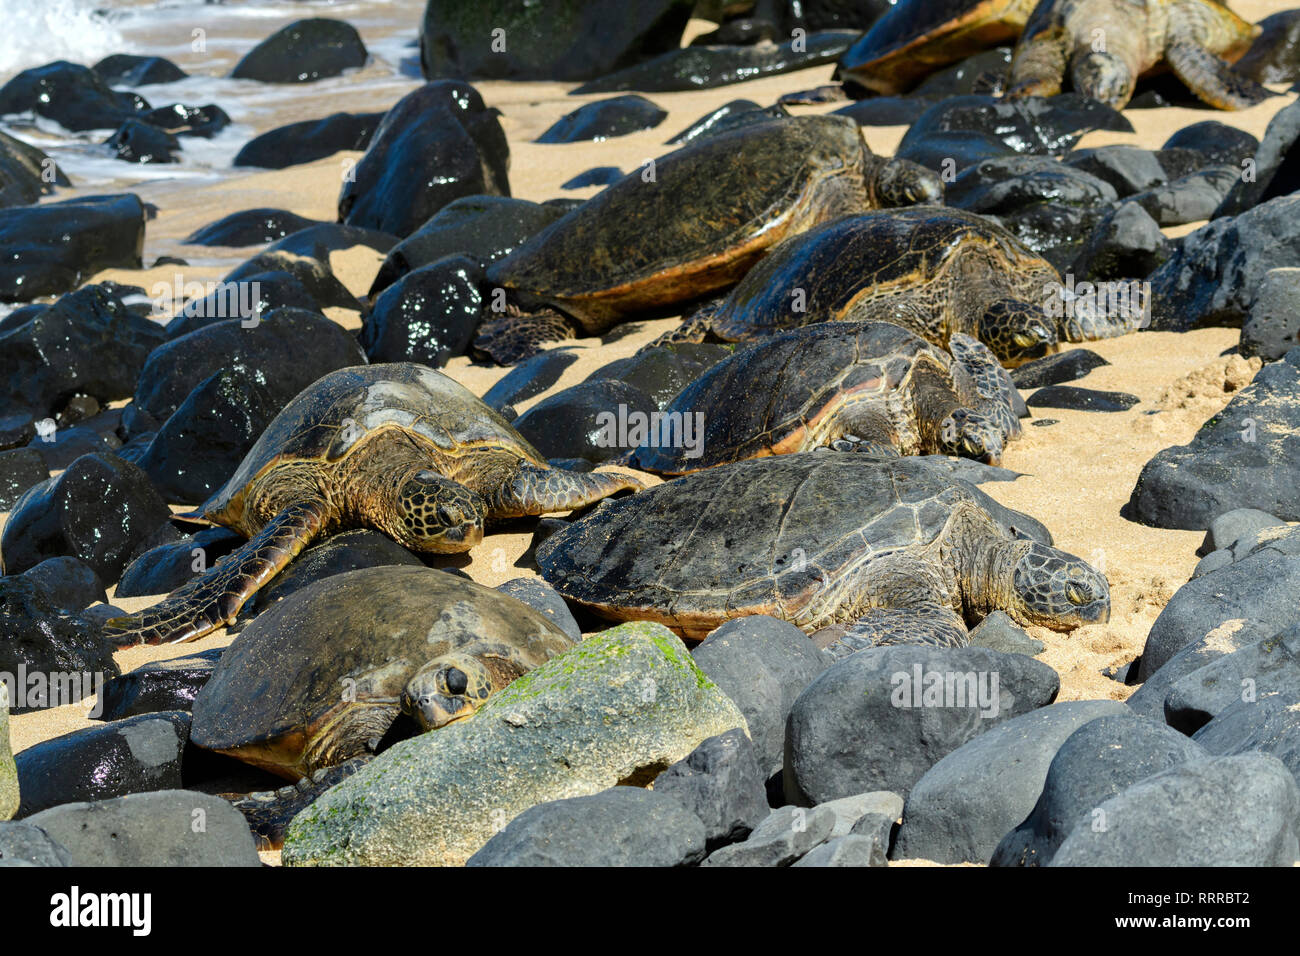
(1076, 473)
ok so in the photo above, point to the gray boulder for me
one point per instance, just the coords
(1272, 326)
(720, 782)
(785, 836)
(21, 843)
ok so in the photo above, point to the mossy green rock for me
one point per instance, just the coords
(8, 772)
(617, 708)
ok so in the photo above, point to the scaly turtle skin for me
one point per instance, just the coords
(398, 448)
(695, 222)
(1105, 45)
(933, 270)
(314, 684)
(849, 386)
(918, 37)
(883, 550)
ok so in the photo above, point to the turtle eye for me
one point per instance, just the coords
(444, 517)
(1078, 594)
(456, 680)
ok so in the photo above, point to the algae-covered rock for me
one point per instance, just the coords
(8, 772)
(618, 708)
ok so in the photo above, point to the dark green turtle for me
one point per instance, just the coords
(870, 386)
(1105, 45)
(934, 270)
(919, 37)
(693, 222)
(319, 679)
(883, 550)
(398, 448)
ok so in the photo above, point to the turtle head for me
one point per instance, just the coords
(1055, 589)
(901, 182)
(431, 513)
(1017, 331)
(969, 434)
(445, 689)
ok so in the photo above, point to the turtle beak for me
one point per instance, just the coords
(436, 710)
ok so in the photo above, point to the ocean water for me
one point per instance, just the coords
(206, 40)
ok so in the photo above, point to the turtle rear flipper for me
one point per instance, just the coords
(1211, 78)
(932, 626)
(518, 335)
(269, 813)
(518, 488)
(214, 599)
(1037, 66)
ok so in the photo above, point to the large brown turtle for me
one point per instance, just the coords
(871, 386)
(883, 550)
(693, 222)
(321, 678)
(398, 448)
(934, 270)
(918, 37)
(1105, 45)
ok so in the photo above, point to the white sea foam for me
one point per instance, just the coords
(38, 31)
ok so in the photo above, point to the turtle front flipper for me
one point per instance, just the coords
(1211, 78)
(269, 813)
(214, 599)
(515, 488)
(900, 182)
(994, 390)
(1037, 66)
(518, 335)
(932, 626)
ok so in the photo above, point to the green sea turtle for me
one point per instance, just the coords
(883, 550)
(850, 386)
(918, 37)
(1105, 45)
(398, 448)
(321, 679)
(932, 269)
(693, 222)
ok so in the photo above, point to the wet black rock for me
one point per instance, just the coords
(52, 248)
(704, 68)
(856, 728)
(707, 123)
(249, 227)
(1214, 274)
(1273, 326)
(1000, 186)
(38, 638)
(662, 372)
(574, 40)
(181, 120)
(1097, 761)
(137, 142)
(26, 173)
(1058, 368)
(100, 510)
(1247, 456)
(427, 316)
(1189, 198)
(530, 377)
(65, 445)
(73, 96)
(319, 242)
(309, 140)
(128, 69)
(604, 119)
(20, 468)
(302, 52)
(887, 110)
(135, 755)
(583, 421)
(596, 176)
(485, 228)
(291, 347)
(68, 584)
(87, 343)
(250, 300)
(1082, 399)
(1127, 243)
(437, 144)
(977, 74)
(169, 685)
(204, 440)
(163, 569)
